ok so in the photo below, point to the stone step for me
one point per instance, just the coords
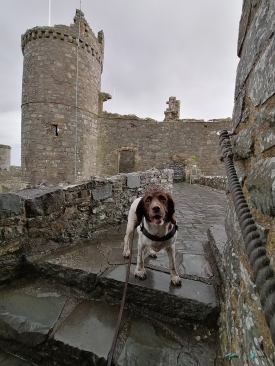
(194, 300)
(89, 265)
(46, 325)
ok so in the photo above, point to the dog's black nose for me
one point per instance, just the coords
(156, 209)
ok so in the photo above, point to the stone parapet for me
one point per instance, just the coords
(46, 218)
(219, 182)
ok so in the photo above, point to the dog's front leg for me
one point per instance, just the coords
(176, 280)
(127, 240)
(140, 271)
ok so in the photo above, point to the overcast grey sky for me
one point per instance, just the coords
(154, 49)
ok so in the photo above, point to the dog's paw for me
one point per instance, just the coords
(141, 274)
(176, 280)
(152, 254)
(126, 253)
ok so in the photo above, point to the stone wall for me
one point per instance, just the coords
(47, 218)
(218, 182)
(154, 143)
(59, 128)
(10, 180)
(244, 329)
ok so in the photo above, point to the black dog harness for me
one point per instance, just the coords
(157, 238)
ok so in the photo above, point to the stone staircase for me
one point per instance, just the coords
(63, 311)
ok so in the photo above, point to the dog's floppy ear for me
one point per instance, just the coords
(140, 211)
(171, 210)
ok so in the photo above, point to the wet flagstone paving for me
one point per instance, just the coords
(66, 313)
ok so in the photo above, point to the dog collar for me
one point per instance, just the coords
(157, 238)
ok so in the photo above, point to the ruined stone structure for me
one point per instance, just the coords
(172, 113)
(10, 176)
(154, 144)
(244, 328)
(67, 137)
(5, 157)
(61, 82)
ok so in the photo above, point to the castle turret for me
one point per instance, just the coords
(5, 157)
(61, 83)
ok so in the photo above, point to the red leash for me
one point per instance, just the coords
(111, 353)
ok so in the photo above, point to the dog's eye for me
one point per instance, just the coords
(162, 198)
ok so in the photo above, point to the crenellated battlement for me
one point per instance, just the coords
(87, 39)
(49, 32)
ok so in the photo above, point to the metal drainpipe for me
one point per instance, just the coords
(263, 274)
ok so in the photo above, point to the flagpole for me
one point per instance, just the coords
(49, 13)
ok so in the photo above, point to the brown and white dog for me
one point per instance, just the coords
(157, 230)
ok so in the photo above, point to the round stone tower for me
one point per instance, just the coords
(5, 157)
(61, 83)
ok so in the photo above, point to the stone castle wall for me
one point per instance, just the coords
(5, 157)
(47, 218)
(59, 142)
(154, 144)
(244, 327)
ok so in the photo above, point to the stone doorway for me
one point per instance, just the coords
(128, 160)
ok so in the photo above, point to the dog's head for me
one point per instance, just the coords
(157, 206)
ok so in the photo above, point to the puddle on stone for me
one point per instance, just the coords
(82, 257)
(88, 255)
(90, 327)
(195, 265)
(159, 281)
(161, 263)
(27, 314)
(148, 345)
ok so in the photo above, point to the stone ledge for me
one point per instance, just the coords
(217, 238)
(194, 300)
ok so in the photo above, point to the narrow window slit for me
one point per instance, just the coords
(56, 130)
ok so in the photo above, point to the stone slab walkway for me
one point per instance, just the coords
(79, 290)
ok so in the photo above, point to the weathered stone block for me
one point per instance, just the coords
(102, 192)
(258, 33)
(237, 111)
(267, 139)
(43, 202)
(217, 239)
(243, 24)
(232, 226)
(193, 300)
(261, 86)
(261, 186)
(10, 204)
(241, 173)
(243, 143)
(133, 180)
(28, 315)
